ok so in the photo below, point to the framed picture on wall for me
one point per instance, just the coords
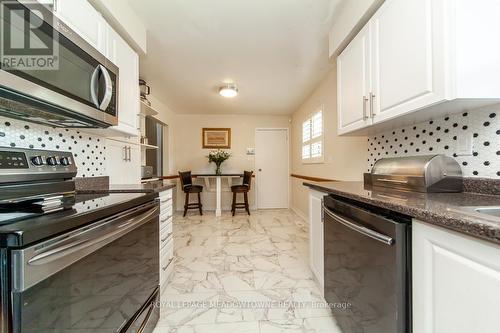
(216, 138)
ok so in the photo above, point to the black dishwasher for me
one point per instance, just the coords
(367, 266)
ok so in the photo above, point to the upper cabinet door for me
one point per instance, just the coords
(408, 69)
(123, 56)
(87, 22)
(354, 83)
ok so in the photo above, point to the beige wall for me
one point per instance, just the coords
(189, 155)
(345, 157)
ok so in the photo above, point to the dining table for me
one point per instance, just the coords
(218, 186)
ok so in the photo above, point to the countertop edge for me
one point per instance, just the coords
(139, 188)
(477, 228)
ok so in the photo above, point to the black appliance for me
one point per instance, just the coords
(73, 262)
(367, 266)
(79, 90)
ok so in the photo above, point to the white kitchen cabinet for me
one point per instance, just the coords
(316, 240)
(456, 282)
(87, 22)
(354, 83)
(427, 58)
(127, 60)
(408, 57)
(166, 238)
(123, 162)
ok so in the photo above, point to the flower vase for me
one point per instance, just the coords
(217, 170)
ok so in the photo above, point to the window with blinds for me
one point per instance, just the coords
(312, 138)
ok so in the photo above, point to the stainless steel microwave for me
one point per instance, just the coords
(49, 74)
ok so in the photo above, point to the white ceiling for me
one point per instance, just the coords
(276, 51)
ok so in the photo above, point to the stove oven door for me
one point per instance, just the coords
(100, 278)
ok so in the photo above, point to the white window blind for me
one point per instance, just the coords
(317, 125)
(312, 138)
(306, 130)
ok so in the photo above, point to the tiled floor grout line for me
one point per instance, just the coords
(241, 234)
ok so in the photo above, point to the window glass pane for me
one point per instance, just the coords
(317, 149)
(306, 152)
(317, 125)
(306, 130)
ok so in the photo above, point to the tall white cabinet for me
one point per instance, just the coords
(418, 59)
(127, 60)
(316, 241)
(456, 282)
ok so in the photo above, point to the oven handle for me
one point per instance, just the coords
(360, 229)
(91, 239)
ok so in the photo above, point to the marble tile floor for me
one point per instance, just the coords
(243, 274)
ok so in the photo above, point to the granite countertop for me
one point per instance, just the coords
(150, 187)
(441, 209)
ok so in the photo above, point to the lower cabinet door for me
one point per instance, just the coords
(123, 162)
(316, 235)
(456, 282)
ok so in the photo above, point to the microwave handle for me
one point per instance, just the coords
(109, 89)
(94, 86)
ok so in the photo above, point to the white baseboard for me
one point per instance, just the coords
(300, 213)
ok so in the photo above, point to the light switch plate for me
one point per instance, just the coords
(464, 144)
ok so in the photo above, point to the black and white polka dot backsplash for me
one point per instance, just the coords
(439, 136)
(88, 150)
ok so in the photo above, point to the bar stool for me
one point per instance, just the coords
(243, 188)
(188, 187)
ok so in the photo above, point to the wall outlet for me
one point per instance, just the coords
(464, 144)
(250, 151)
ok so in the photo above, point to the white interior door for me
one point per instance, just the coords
(271, 163)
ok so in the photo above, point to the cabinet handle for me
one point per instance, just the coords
(365, 116)
(372, 112)
(128, 153)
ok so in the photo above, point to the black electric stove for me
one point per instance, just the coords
(24, 224)
(68, 261)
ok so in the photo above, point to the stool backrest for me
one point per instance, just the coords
(186, 179)
(247, 178)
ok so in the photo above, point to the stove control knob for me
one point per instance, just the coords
(52, 160)
(37, 160)
(65, 161)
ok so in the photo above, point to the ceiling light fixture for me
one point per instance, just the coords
(228, 90)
